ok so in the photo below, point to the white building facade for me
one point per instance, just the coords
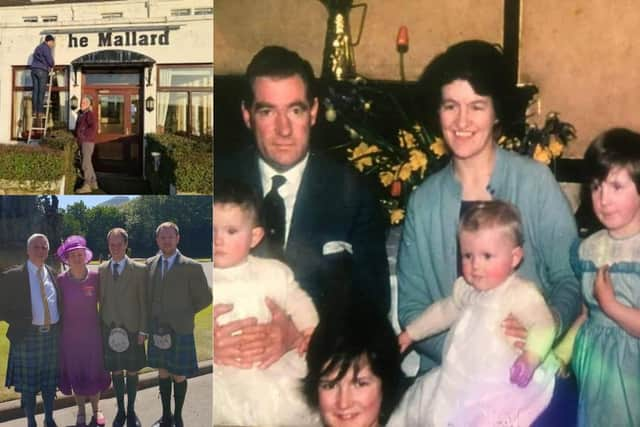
(147, 67)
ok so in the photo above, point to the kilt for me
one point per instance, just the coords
(131, 360)
(33, 362)
(180, 359)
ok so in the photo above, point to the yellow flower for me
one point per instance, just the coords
(417, 160)
(405, 172)
(555, 146)
(438, 148)
(386, 178)
(361, 156)
(542, 154)
(397, 215)
(406, 139)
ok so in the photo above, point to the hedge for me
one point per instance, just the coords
(48, 161)
(185, 162)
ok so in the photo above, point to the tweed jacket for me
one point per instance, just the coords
(15, 300)
(175, 298)
(123, 302)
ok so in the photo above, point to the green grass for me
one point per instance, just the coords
(203, 334)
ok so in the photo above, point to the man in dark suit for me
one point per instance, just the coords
(334, 228)
(177, 291)
(30, 304)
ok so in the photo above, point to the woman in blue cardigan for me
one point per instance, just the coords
(467, 88)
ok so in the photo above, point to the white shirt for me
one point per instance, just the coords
(170, 260)
(288, 191)
(121, 264)
(37, 308)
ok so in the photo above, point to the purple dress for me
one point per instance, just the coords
(81, 360)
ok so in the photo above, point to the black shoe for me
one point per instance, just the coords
(177, 422)
(164, 422)
(133, 420)
(51, 423)
(119, 420)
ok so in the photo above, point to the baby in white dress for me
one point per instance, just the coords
(256, 395)
(484, 380)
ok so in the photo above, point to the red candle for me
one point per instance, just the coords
(396, 188)
(402, 39)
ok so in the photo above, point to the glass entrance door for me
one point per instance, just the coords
(116, 103)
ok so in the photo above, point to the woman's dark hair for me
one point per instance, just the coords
(484, 66)
(348, 336)
(614, 148)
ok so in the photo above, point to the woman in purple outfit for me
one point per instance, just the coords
(82, 370)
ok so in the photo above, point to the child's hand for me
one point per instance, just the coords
(523, 369)
(603, 288)
(404, 341)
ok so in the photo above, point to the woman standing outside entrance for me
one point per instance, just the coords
(86, 133)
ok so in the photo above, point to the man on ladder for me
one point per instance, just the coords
(41, 73)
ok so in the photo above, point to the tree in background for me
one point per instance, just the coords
(140, 217)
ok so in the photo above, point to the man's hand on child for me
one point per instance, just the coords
(404, 341)
(523, 368)
(514, 329)
(302, 344)
(229, 340)
(282, 335)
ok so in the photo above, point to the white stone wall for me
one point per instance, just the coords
(191, 42)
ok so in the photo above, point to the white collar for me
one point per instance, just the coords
(293, 175)
(34, 268)
(171, 258)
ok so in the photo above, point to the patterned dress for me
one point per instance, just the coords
(606, 359)
(81, 359)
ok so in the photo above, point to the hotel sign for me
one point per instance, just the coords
(119, 38)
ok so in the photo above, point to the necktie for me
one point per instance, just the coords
(165, 267)
(274, 217)
(43, 295)
(116, 274)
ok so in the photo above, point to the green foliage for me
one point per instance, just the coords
(185, 162)
(48, 161)
(30, 163)
(140, 217)
(63, 139)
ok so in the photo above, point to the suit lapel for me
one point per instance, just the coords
(308, 200)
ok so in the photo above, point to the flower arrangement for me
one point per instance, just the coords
(401, 152)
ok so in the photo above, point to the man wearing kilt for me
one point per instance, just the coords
(123, 310)
(177, 290)
(30, 304)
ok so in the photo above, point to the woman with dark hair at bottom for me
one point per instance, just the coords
(354, 375)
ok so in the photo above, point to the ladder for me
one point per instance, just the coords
(34, 121)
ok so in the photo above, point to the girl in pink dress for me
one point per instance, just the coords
(82, 370)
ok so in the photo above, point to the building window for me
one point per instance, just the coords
(203, 11)
(50, 18)
(22, 102)
(185, 100)
(180, 12)
(29, 19)
(112, 15)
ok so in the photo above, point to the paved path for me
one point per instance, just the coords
(196, 412)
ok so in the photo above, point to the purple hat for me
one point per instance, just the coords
(71, 243)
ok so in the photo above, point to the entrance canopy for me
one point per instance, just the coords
(113, 57)
(110, 58)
